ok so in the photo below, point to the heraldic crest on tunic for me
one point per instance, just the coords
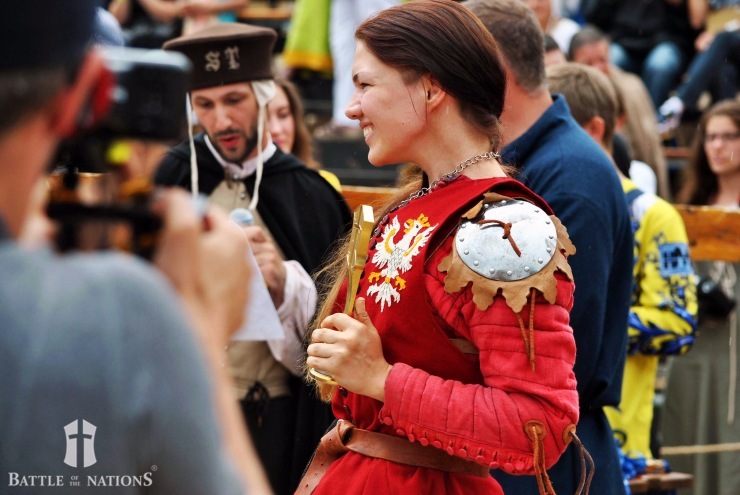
(508, 245)
(394, 257)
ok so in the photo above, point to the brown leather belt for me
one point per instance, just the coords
(345, 437)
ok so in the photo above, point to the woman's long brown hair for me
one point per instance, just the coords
(699, 182)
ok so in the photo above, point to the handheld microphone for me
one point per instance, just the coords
(242, 216)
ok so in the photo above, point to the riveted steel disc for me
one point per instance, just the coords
(483, 248)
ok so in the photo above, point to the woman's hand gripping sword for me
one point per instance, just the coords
(362, 227)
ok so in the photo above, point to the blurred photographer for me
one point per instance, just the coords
(101, 370)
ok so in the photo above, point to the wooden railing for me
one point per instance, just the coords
(714, 233)
(361, 195)
(266, 11)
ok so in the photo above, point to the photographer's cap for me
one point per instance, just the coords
(38, 34)
(227, 53)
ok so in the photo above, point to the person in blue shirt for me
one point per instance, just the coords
(561, 163)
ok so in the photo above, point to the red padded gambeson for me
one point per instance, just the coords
(471, 406)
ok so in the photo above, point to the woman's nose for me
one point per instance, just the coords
(353, 110)
(273, 125)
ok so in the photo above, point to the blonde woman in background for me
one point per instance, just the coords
(288, 129)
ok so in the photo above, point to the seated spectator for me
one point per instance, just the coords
(559, 28)
(553, 53)
(149, 23)
(200, 14)
(590, 46)
(652, 39)
(716, 68)
(288, 128)
(663, 308)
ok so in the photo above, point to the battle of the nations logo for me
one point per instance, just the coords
(79, 454)
(80, 443)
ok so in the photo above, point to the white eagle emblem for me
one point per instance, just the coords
(395, 258)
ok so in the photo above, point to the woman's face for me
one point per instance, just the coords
(722, 145)
(391, 113)
(280, 121)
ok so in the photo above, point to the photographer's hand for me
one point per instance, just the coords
(205, 261)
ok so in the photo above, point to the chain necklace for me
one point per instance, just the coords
(453, 174)
(449, 176)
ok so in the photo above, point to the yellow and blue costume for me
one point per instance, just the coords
(662, 319)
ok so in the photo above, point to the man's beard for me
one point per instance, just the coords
(250, 143)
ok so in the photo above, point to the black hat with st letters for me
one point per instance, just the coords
(227, 53)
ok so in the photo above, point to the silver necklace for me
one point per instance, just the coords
(449, 175)
(426, 190)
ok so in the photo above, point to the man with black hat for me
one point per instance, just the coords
(100, 369)
(297, 215)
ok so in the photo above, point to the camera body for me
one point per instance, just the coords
(147, 99)
(145, 104)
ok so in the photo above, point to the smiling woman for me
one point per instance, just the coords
(438, 378)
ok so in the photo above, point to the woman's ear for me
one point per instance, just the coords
(85, 101)
(434, 95)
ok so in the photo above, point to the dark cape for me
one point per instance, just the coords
(304, 213)
(307, 217)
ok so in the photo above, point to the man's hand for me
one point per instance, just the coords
(269, 261)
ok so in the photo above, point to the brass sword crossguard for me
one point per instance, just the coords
(363, 221)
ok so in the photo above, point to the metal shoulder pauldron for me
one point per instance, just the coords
(508, 244)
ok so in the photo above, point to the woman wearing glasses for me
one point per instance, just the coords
(702, 400)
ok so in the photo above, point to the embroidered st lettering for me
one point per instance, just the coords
(213, 61)
(232, 56)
